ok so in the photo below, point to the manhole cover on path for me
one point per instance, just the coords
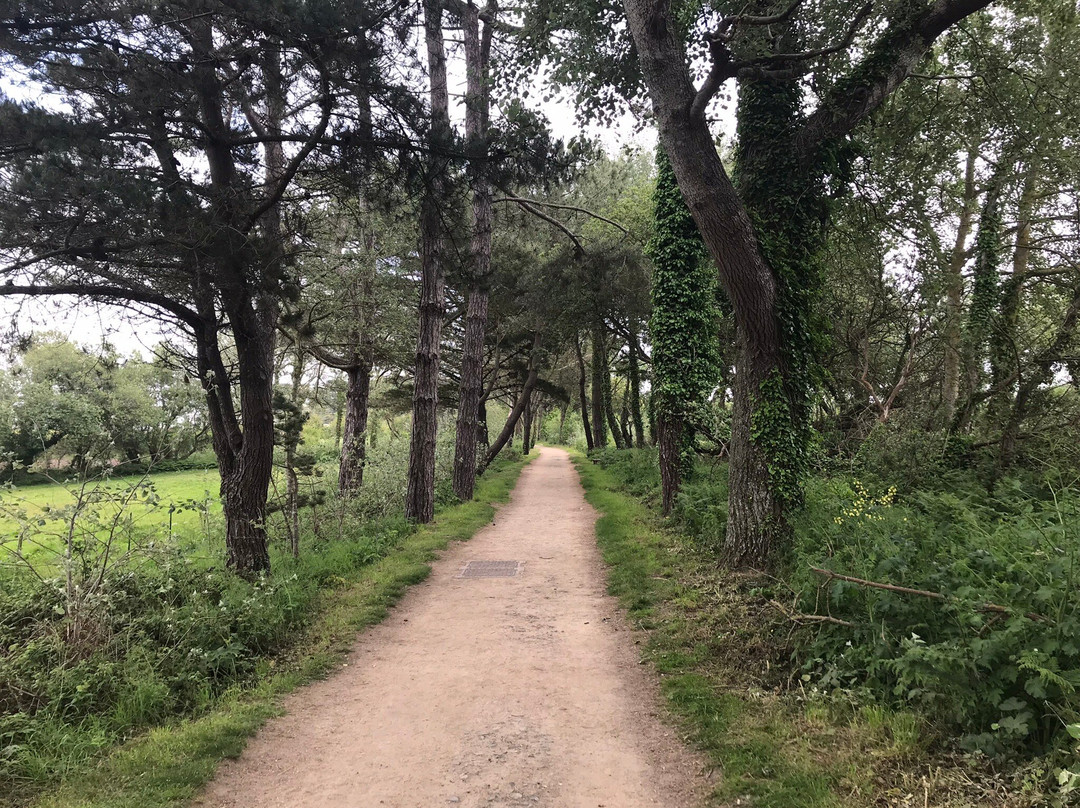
(491, 569)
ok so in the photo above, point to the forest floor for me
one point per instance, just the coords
(482, 692)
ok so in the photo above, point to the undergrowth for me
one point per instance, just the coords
(176, 664)
(801, 712)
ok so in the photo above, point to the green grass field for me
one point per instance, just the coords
(36, 520)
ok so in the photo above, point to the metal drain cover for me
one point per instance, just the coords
(491, 569)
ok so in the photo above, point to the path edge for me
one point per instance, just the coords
(168, 766)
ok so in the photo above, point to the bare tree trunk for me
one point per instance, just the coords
(292, 482)
(954, 294)
(599, 366)
(634, 388)
(669, 443)
(420, 497)
(609, 406)
(353, 446)
(472, 360)
(339, 417)
(526, 427)
(515, 413)
(583, 398)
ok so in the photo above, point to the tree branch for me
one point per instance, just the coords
(526, 205)
(587, 212)
(96, 291)
(890, 60)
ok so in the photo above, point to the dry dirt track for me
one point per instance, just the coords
(483, 693)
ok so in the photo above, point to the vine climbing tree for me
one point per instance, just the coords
(682, 328)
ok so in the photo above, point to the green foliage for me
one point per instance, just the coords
(177, 639)
(786, 202)
(685, 318)
(1005, 681)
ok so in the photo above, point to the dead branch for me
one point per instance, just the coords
(923, 593)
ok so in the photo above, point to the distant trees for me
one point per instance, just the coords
(160, 174)
(85, 408)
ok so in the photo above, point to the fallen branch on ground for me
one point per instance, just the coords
(799, 617)
(924, 593)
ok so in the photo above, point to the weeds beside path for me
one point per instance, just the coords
(167, 765)
(725, 663)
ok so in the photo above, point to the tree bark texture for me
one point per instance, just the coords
(471, 387)
(420, 496)
(669, 447)
(354, 437)
(583, 398)
(599, 365)
(634, 389)
(954, 294)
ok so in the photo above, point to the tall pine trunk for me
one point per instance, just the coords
(420, 496)
(583, 398)
(354, 437)
(472, 359)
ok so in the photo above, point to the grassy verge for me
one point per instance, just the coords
(167, 765)
(724, 659)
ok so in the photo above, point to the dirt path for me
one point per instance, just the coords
(483, 693)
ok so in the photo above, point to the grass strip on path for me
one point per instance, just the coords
(167, 766)
(763, 755)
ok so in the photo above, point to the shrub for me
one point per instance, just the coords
(1004, 679)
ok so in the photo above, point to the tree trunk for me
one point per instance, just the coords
(1040, 375)
(599, 354)
(420, 496)
(634, 388)
(353, 448)
(954, 294)
(472, 360)
(1005, 352)
(583, 398)
(773, 386)
(292, 482)
(669, 442)
(609, 406)
(526, 427)
(515, 414)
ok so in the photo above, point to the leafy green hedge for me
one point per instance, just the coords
(1004, 681)
(995, 658)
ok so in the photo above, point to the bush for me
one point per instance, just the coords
(1004, 680)
(166, 639)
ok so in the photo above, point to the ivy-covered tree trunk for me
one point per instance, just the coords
(1004, 348)
(985, 283)
(420, 496)
(784, 153)
(682, 328)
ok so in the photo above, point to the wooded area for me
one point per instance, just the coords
(829, 319)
